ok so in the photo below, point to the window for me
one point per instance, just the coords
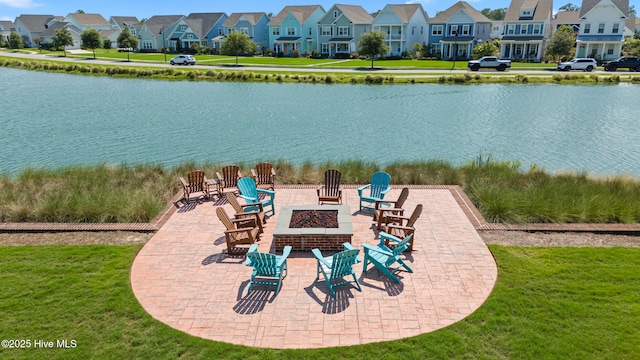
(616, 28)
(183, 28)
(244, 30)
(453, 30)
(190, 36)
(309, 31)
(325, 48)
(291, 31)
(511, 29)
(465, 29)
(147, 44)
(326, 31)
(610, 51)
(601, 28)
(335, 14)
(587, 28)
(523, 29)
(421, 30)
(537, 29)
(436, 30)
(275, 31)
(343, 31)
(413, 30)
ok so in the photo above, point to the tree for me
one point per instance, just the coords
(237, 43)
(496, 14)
(127, 40)
(91, 39)
(15, 41)
(62, 38)
(631, 47)
(80, 12)
(372, 44)
(632, 10)
(569, 7)
(107, 44)
(561, 43)
(489, 48)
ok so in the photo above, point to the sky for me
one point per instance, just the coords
(10, 9)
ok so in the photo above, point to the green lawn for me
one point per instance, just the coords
(548, 303)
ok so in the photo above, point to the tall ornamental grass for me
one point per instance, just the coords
(501, 190)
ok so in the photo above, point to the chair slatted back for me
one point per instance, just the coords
(224, 218)
(400, 247)
(230, 175)
(234, 203)
(414, 216)
(247, 187)
(342, 263)
(264, 264)
(264, 174)
(332, 182)
(379, 182)
(195, 180)
(404, 194)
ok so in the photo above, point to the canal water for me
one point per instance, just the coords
(51, 119)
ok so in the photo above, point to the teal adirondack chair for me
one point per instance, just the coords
(250, 192)
(268, 269)
(383, 257)
(378, 188)
(338, 266)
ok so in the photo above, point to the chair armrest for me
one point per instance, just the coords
(393, 226)
(392, 210)
(319, 257)
(252, 248)
(386, 236)
(396, 217)
(233, 231)
(380, 202)
(362, 188)
(348, 246)
(248, 198)
(285, 253)
(376, 249)
(239, 174)
(273, 172)
(237, 221)
(268, 192)
(258, 204)
(385, 191)
(253, 173)
(184, 182)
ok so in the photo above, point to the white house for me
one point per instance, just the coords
(602, 24)
(403, 25)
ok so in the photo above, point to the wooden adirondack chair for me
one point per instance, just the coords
(268, 269)
(228, 178)
(378, 187)
(402, 226)
(264, 175)
(251, 193)
(380, 211)
(247, 210)
(382, 257)
(195, 187)
(239, 231)
(338, 266)
(331, 190)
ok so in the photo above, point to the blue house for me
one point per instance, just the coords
(457, 30)
(403, 25)
(253, 24)
(527, 29)
(339, 30)
(155, 34)
(294, 30)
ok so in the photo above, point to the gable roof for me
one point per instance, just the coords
(567, 17)
(587, 5)
(301, 12)
(355, 13)
(252, 17)
(405, 12)
(36, 23)
(6, 25)
(89, 19)
(201, 23)
(474, 14)
(158, 22)
(123, 21)
(541, 9)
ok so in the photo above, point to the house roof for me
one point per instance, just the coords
(201, 23)
(106, 33)
(567, 17)
(89, 19)
(158, 22)
(444, 16)
(355, 13)
(123, 21)
(631, 23)
(51, 30)
(36, 23)
(541, 9)
(6, 25)
(405, 12)
(301, 12)
(587, 5)
(252, 17)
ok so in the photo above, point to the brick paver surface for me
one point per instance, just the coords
(184, 278)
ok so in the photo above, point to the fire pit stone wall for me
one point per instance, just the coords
(303, 239)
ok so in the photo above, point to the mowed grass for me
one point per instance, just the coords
(548, 303)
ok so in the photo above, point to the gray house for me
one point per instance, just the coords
(6, 27)
(253, 24)
(403, 25)
(31, 27)
(339, 30)
(154, 32)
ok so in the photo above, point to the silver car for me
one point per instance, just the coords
(584, 64)
(183, 60)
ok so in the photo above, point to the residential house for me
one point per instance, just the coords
(569, 18)
(630, 27)
(93, 21)
(294, 30)
(253, 24)
(6, 27)
(602, 24)
(497, 27)
(527, 29)
(339, 30)
(31, 27)
(197, 28)
(118, 23)
(153, 33)
(403, 25)
(457, 30)
(47, 36)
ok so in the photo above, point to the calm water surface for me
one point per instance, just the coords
(57, 119)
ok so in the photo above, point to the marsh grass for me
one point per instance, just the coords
(500, 189)
(551, 303)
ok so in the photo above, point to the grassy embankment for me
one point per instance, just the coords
(501, 190)
(325, 71)
(551, 303)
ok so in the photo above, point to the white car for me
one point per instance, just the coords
(584, 64)
(183, 60)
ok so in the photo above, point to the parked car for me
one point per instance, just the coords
(584, 64)
(183, 60)
(626, 62)
(490, 62)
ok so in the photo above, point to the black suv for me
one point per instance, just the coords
(626, 62)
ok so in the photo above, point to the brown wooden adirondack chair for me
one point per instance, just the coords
(395, 208)
(239, 231)
(195, 187)
(245, 211)
(228, 178)
(401, 226)
(331, 190)
(264, 174)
